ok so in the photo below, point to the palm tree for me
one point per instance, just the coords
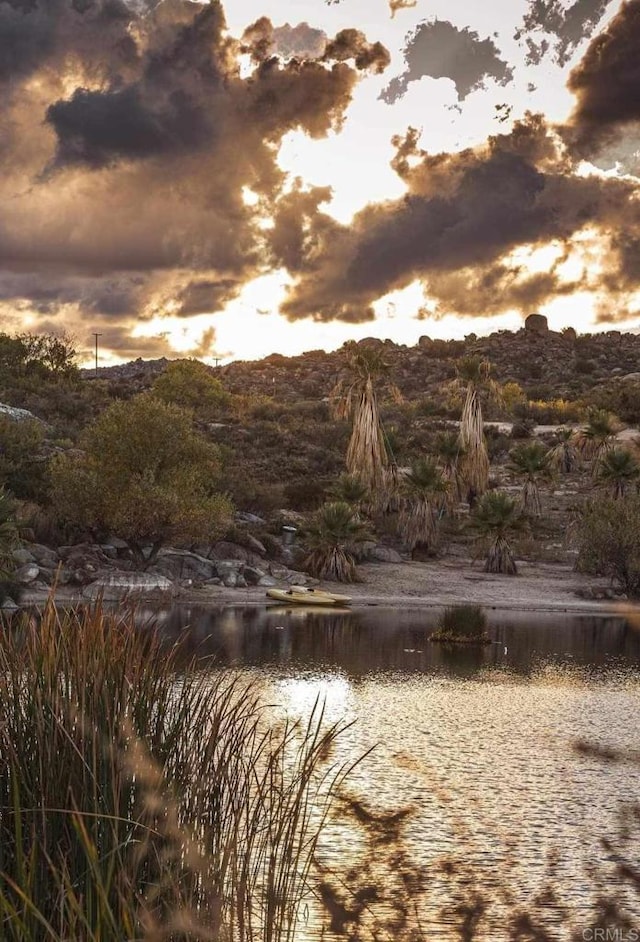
(474, 374)
(617, 469)
(563, 456)
(331, 535)
(597, 436)
(356, 397)
(531, 461)
(425, 491)
(496, 518)
(451, 453)
(350, 490)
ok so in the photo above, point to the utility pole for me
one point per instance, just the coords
(96, 336)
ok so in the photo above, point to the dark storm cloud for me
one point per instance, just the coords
(205, 297)
(607, 85)
(565, 27)
(38, 33)
(441, 50)
(462, 211)
(94, 128)
(124, 166)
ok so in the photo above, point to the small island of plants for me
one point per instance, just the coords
(462, 624)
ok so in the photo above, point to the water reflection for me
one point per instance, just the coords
(475, 741)
(373, 640)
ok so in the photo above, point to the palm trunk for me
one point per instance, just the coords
(474, 467)
(367, 455)
(531, 498)
(500, 558)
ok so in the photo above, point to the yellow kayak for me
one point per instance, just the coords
(339, 599)
(299, 596)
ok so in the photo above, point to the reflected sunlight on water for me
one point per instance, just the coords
(476, 742)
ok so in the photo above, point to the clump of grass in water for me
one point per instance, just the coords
(142, 799)
(462, 624)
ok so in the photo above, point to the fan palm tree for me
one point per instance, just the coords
(356, 396)
(350, 490)
(425, 492)
(450, 452)
(563, 456)
(597, 436)
(617, 469)
(331, 535)
(496, 518)
(474, 374)
(531, 462)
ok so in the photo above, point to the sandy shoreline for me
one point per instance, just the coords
(539, 587)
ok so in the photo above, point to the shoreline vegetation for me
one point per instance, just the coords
(177, 808)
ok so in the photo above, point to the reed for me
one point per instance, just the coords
(142, 798)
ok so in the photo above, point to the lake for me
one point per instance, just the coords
(475, 744)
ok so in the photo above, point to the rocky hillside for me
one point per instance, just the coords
(545, 363)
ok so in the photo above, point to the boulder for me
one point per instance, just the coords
(22, 556)
(384, 554)
(253, 575)
(26, 574)
(227, 567)
(536, 324)
(116, 585)
(268, 582)
(230, 580)
(44, 555)
(18, 415)
(224, 550)
(182, 564)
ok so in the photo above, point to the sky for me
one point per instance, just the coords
(228, 180)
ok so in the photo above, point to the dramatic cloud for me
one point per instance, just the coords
(461, 217)
(607, 85)
(441, 50)
(129, 139)
(301, 41)
(550, 26)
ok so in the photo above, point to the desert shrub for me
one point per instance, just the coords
(191, 384)
(621, 397)
(23, 462)
(144, 474)
(608, 539)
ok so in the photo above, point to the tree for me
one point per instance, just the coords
(424, 494)
(616, 470)
(349, 490)
(608, 538)
(451, 454)
(331, 536)
(23, 461)
(496, 518)
(191, 384)
(474, 374)
(597, 436)
(356, 396)
(563, 456)
(144, 474)
(531, 462)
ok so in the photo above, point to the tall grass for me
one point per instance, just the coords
(141, 798)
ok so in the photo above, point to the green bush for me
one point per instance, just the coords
(608, 538)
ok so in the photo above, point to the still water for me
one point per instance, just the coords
(477, 744)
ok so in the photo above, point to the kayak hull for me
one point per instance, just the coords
(295, 597)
